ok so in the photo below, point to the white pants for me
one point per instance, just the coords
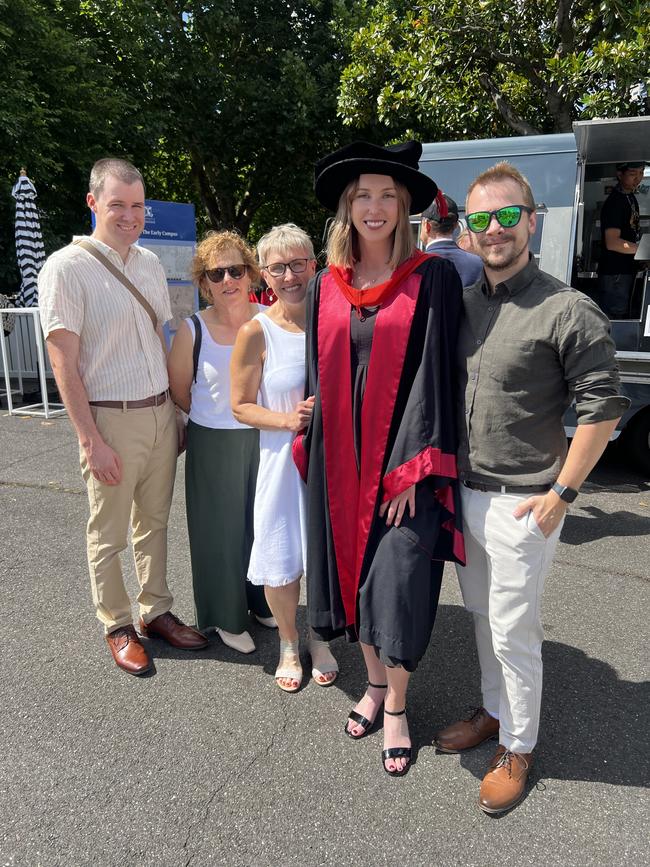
(507, 562)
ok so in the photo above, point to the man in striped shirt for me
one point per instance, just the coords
(109, 363)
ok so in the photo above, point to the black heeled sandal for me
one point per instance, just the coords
(365, 723)
(396, 752)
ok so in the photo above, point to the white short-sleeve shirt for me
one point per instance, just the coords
(120, 354)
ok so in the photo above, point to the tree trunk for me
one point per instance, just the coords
(507, 112)
(560, 110)
(210, 204)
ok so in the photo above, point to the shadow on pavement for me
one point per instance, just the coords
(597, 524)
(593, 725)
(616, 472)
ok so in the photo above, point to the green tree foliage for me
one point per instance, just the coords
(241, 95)
(474, 68)
(228, 103)
(60, 109)
(225, 103)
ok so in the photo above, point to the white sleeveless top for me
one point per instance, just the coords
(278, 555)
(283, 375)
(210, 394)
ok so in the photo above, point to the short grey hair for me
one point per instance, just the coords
(281, 239)
(121, 169)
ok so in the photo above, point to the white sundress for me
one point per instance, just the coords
(278, 555)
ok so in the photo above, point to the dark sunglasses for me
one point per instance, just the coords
(507, 217)
(296, 266)
(216, 275)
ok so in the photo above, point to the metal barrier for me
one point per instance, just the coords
(27, 358)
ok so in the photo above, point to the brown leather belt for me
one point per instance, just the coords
(154, 400)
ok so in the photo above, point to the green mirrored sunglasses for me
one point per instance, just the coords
(506, 217)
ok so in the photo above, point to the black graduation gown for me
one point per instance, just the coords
(377, 583)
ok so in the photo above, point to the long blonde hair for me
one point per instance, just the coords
(342, 238)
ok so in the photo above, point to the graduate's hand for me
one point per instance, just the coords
(301, 416)
(396, 507)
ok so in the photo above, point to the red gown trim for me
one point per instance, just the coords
(429, 462)
(445, 497)
(389, 342)
(375, 295)
(299, 455)
(353, 494)
(341, 475)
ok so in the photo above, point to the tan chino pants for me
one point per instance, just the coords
(146, 441)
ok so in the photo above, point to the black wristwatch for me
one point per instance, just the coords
(565, 493)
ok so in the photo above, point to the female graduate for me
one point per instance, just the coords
(378, 455)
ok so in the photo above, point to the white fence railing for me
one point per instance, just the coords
(24, 357)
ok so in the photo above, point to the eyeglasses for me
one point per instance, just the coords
(296, 266)
(216, 275)
(507, 217)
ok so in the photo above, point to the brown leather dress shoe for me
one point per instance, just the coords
(128, 651)
(467, 733)
(168, 627)
(504, 784)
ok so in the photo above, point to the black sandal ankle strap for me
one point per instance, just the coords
(378, 685)
(395, 712)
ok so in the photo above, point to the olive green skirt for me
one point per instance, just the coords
(220, 477)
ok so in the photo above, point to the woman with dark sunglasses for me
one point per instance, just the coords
(379, 453)
(222, 454)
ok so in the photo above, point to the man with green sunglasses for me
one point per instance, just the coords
(508, 217)
(527, 347)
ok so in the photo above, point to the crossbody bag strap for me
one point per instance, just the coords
(92, 249)
(196, 349)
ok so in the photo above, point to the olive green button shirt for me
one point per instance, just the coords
(524, 353)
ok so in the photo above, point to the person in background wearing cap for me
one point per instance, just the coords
(619, 226)
(437, 235)
(379, 453)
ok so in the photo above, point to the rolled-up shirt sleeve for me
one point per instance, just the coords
(60, 297)
(588, 354)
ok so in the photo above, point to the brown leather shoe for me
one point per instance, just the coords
(170, 628)
(504, 784)
(128, 651)
(467, 733)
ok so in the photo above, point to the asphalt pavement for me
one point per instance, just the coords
(207, 762)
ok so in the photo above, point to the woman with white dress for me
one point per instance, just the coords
(222, 453)
(268, 378)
